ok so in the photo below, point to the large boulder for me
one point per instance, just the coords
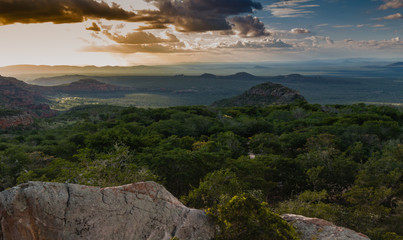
(314, 228)
(145, 210)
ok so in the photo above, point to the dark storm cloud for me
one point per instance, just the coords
(59, 11)
(249, 26)
(199, 15)
(94, 27)
(185, 15)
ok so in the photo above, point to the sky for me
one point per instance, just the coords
(159, 32)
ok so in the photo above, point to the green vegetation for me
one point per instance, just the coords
(9, 112)
(245, 217)
(340, 163)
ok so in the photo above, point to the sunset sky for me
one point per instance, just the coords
(135, 32)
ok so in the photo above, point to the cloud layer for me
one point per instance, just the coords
(393, 16)
(184, 15)
(59, 11)
(291, 8)
(391, 4)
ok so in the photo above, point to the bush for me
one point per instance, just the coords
(245, 217)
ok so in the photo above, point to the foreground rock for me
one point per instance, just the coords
(146, 210)
(314, 228)
(37, 210)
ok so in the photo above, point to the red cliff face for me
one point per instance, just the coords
(24, 119)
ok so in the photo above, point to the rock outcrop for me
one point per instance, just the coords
(23, 119)
(146, 210)
(314, 228)
(262, 95)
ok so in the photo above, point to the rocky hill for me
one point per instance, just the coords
(20, 103)
(16, 93)
(261, 95)
(139, 211)
(86, 86)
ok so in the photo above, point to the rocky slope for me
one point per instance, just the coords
(145, 210)
(261, 95)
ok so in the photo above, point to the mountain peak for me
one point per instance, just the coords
(242, 75)
(262, 95)
(207, 75)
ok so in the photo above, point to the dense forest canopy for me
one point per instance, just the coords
(343, 163)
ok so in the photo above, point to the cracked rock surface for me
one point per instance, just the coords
(315, 228)
(146, 210)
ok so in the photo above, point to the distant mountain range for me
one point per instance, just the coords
(239, 75)
(297, 78)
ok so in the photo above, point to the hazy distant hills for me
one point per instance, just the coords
(297, 78)
(66, 79)
(58, 80)
(30, 72)
(397, 64)
(86, 86)
(340, 67)
(262, 95)
(206, 88)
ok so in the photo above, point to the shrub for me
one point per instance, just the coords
(245, 217)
